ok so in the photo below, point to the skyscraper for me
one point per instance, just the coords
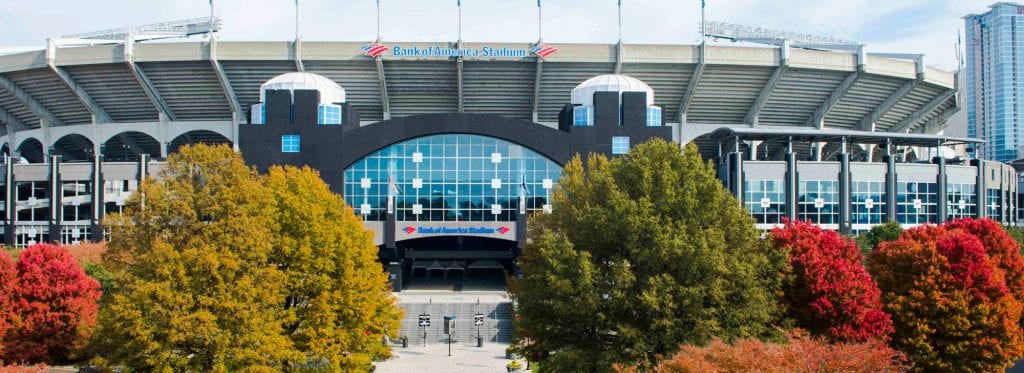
(995, 58)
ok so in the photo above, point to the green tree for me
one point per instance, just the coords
(338, 298)
(869, 240)
(640, 255)
(191, 259)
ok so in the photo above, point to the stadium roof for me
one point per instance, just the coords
(203, 81)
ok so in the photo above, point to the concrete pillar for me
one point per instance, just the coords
(792, 177)
(869, 150)
(736, 175)
(96, 227)
(890, 187)
(818, 147)
(55, 199)
(943, 194)
(10, 215)
(844, 192)
(753, 144)
(982, 191)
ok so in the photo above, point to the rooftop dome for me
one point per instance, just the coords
(330, 92)
(583, 94)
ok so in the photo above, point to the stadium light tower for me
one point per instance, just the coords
(735, 32)
(163, 30)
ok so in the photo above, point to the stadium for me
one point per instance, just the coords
(444, 148)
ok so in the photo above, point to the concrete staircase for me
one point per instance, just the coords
(497, 325)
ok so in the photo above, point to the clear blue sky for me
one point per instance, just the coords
(904, 26)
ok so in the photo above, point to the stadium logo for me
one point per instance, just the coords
(374, 49)
(503, 230)
(409, 230)
(543, 50)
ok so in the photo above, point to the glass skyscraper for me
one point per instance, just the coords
(995, 58)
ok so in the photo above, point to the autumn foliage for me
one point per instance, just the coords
(950, 291)
(52, 305)
(800, 354)
(829, 293)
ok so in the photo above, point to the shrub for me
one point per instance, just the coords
(800, 354)
(56, 304)
(948, 299)
(8, 282)
(88, 252)
(829, 293)
(869, 240)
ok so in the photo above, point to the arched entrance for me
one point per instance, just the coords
(197, 137)
(74, 148)
(128, 146)
(32, 151)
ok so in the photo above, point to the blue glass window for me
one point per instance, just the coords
(290, 143)
(620, 145)
(995, 202)
(653, 116)
(451, 177)
(961, 201)
(259, 116)
(818, 202)
(869, 199)
(765, 201)
(916, 203)
(328, 114)
(583, 116)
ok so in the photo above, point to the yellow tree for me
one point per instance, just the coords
(191, 256)
(338, 300)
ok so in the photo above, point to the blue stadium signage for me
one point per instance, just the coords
(455, 230)
(438, 51)
(376, 49)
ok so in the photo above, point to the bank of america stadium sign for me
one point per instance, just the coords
(539, 50)
(455, 230)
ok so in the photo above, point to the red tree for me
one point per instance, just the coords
(56, 302)
(830, 293)
(949, 301)
(1002, 250)
(8, 279)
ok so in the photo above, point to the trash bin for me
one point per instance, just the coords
(479, 341)
(405, 342)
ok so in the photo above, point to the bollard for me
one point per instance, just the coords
(479, 341)
(405, 342)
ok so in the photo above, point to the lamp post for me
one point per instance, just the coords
(478, 320)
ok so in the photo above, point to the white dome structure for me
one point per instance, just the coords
(330, 92)
(583, 94)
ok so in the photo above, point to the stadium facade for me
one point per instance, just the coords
(445, 148)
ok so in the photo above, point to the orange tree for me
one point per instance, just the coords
(829, 293)
(641, 254)
(948, 298)
(800, 353)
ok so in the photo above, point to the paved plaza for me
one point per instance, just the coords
(434, 358)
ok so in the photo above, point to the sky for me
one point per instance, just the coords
(895, 26)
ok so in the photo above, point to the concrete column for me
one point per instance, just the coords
(818, 147)
(736, 175)
(55, 199)
(96, 227)
(869, 149)
(844, 192)
(792, 177)
(10, 216)
(943, 194)
(753, 144)
(890, 187)
(981, 191)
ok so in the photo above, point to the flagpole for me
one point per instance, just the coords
(459, 3)
(296, 19)
(620, 21)
(213, 19)
(378, 21)
(540, 23)
(703, 24)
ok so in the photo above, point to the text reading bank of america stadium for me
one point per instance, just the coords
(445, 148)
